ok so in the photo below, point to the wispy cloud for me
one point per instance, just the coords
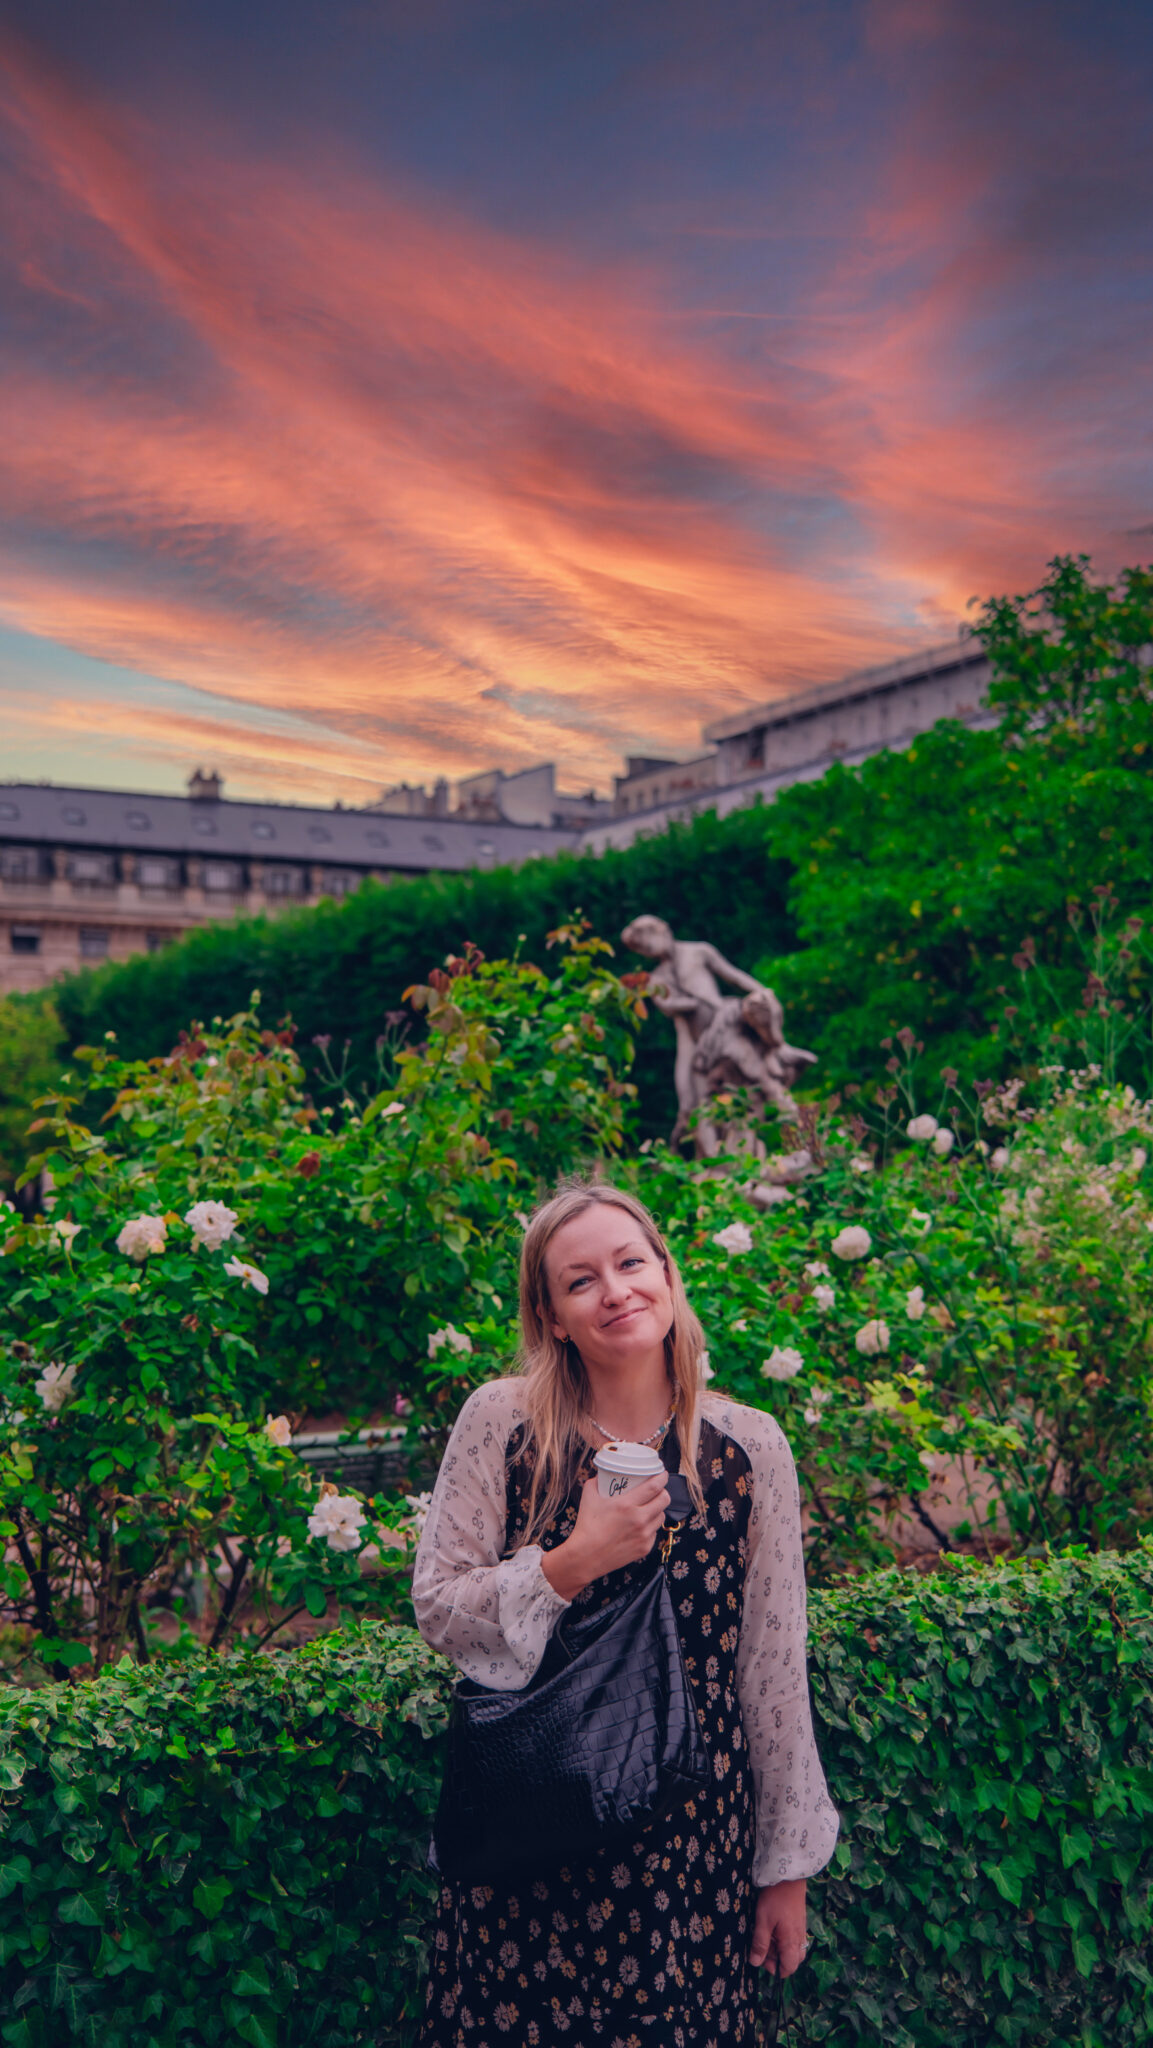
(310, 444)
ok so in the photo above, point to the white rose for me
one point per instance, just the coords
(63, 1233)
(456, 1340)
(943, 1143)
(420, 1504)
(1137, 1159)
(922, 1128)
(394, 1109)
(915, 1304)
(860, 1163)
(339, 1519)
(816, 1270)
(999, 1159)
(782, 1363)
(872, 1338)
(142, 1235)
(251, 1276)
(824, 1297)
(55, 1385)
(279, 1429)
(817, 1400)
(735, 1237)
(741, 1324)
(211, 1223)
(853, 1242)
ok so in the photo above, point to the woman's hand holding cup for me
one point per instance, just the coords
(611, 1531)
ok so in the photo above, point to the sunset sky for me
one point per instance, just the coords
(402, 387)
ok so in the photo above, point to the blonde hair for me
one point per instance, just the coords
(555, 1386)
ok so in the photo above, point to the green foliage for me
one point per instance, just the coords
(141, 1354)
(917, 877)
(31, 1045)
(988, 1735)
(1071, 660)
(222, 1849)
(341, 969)
(241, 1843)
(980, 1361)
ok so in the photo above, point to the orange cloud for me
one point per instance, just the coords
(442, 494)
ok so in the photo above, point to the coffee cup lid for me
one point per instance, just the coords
(634, 1461)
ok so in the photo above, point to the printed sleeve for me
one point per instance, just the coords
(797, 1824)
(492, 1615)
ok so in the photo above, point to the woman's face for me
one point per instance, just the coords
(608, 1289)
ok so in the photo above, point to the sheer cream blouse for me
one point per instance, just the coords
(492, 1615)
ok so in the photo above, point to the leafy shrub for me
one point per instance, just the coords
(339, 970)
(141, 1355)
(31, 1043)
(928, 1313)
(916, 878)
(223, 1849)
(240, 1844)
(988, 1734)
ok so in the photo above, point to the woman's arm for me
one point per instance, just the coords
(796, 1821)
(491, 1615)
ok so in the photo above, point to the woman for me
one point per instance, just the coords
(657, 1941)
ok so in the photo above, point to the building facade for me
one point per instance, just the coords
(795, 739)
(90, 875)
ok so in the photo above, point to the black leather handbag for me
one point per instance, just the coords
(603, 1740)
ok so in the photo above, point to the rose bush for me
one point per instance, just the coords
(213, 1249)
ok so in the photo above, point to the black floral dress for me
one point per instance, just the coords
(646, 1943)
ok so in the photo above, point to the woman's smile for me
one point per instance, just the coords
(609, 1290)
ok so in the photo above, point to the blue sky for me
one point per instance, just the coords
(404, 389)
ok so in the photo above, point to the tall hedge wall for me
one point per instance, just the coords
(339, 968)
(235, 1850)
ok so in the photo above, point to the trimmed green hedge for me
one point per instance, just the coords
(988, 1734)
(228, 1849)
(236, 1849)
(339, 968)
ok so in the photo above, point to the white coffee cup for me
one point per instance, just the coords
(623, 1465)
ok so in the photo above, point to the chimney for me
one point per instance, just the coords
(204, 788)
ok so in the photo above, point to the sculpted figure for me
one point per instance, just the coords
(723, 1042)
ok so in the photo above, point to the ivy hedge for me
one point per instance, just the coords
(235, 1848)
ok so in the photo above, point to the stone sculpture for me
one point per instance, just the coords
(723, 1042)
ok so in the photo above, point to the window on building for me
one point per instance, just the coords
(320, 833)
(263, 830)
(153, 871)
(20, 864)
(220, 876)
(94, 940)
(9, 810)
(283, 882)
(338, 881)
(24, 938)
(91, 870)
(138, 820)
(378, 838)
(73, 815)
(154, 940)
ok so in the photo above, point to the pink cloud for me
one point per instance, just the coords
(456, 499)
